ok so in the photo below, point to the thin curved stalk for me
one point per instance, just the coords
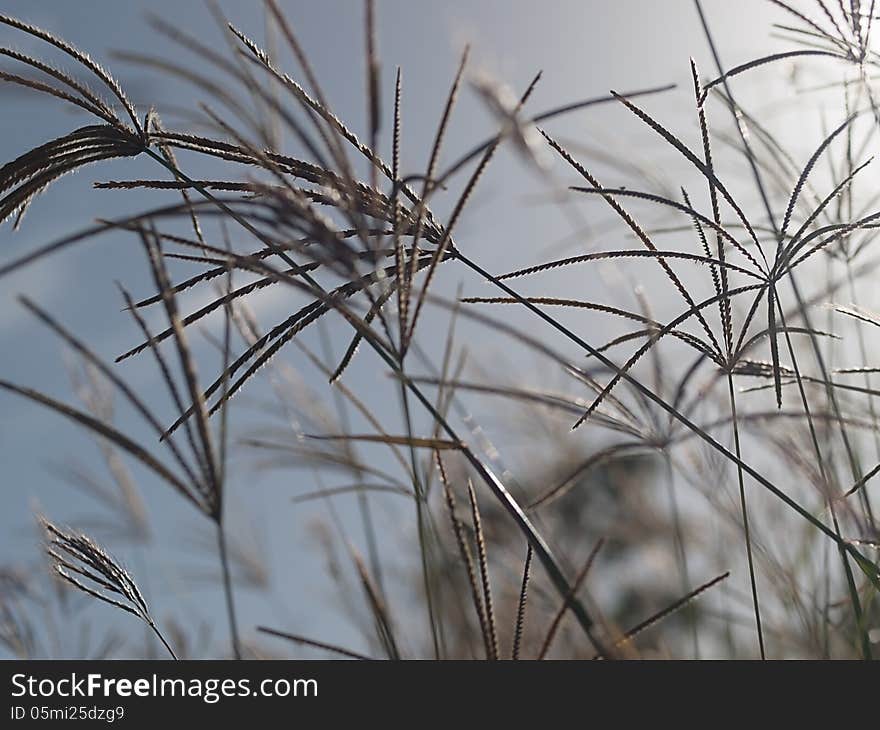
(745, 517)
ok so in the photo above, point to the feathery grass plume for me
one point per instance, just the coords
(84, 564)
(484, 571)
(24, 178)
(428, 186)
(683, 418)
(213, 468)
(683, 379)
(466, 558)
(81, 58)
(770, 276)
(445, 241)
(828, 474)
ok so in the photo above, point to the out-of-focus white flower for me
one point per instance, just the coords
(504, 106)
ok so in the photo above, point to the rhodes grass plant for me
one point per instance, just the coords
(679, 421)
